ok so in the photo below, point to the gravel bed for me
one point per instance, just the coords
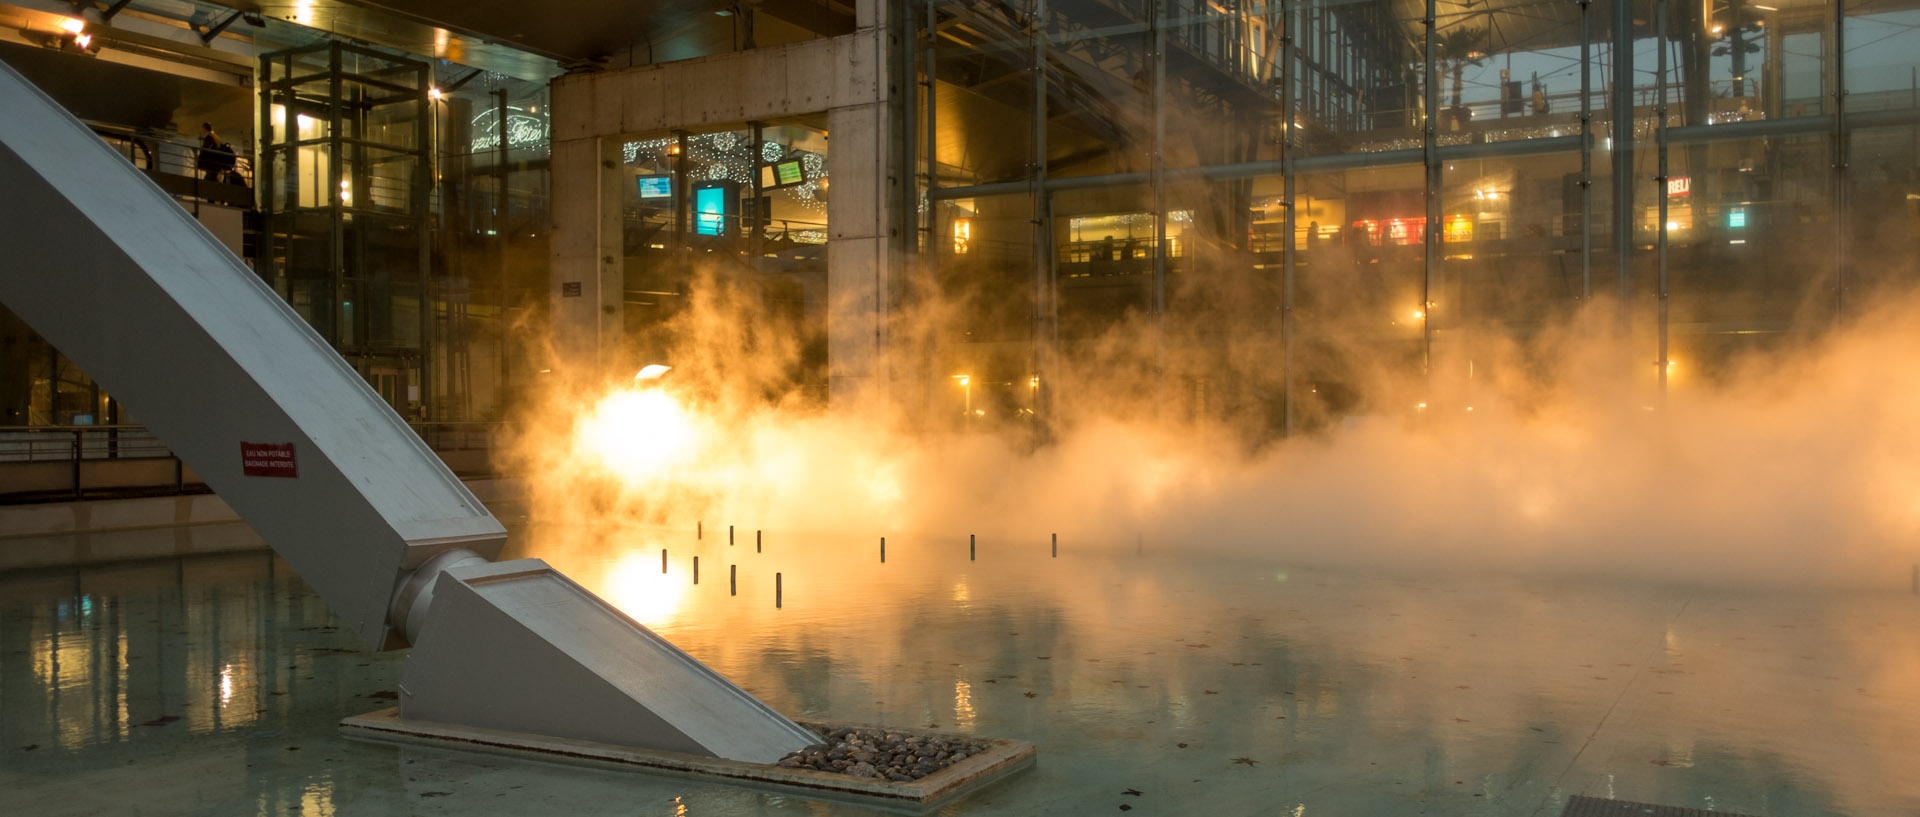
(882, 755)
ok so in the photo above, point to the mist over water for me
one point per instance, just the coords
(1792, 468)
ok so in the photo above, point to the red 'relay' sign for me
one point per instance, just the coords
(267, 460)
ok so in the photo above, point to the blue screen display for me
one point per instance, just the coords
(710, 211)
(656, 187)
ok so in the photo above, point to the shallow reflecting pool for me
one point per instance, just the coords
(213, 685)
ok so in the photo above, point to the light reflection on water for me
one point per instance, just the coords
(1302, 666)
(1348, 694)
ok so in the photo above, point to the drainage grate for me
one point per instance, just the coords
(1583, 806)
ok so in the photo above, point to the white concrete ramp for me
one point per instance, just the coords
(121, 279)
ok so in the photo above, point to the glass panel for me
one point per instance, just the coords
(984, 369)
(1510, 70)
(1512, 243)
(1099, 87)
(1356, 76)
(984, 93)
(1750, 250)
(1882, 55)
(1104, 241)
(1883, 213)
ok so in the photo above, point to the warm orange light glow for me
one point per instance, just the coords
(635, 585)
(72, 25)
(637, 435)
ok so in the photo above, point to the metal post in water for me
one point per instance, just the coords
(756, 541)
(1056, 546)
(733, 580)
(696, 570)
(776, 590)
(699, 530)
(969, 547)
(883, 550)
(729, 536)
(663, 560)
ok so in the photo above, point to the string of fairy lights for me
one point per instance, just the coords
(730, 156)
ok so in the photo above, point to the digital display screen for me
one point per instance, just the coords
(656, 187)
(710, 211)
(782, 174)
(789, 173)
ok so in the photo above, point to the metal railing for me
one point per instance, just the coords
(171, 154)
(60, 463)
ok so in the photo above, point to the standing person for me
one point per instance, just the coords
(216, 158)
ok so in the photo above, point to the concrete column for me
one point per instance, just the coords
(587, 275)
(860, 224)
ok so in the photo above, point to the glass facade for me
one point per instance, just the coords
(1361, 192)
(741, 211)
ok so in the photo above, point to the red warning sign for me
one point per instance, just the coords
(268, 460)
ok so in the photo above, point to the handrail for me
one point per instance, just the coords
(75, 449)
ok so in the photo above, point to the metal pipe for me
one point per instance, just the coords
(336, 216)
(1586, 151)
(1430, 259)
(1840, 152)
(757, 232)
(1036, 190)
(935, 240)
(909, 218)
(1289, 263)
(1302, 164)
(1158, 11)
(1660, 189)
(1623, 181)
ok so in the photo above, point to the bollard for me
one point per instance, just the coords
(883, 550)
(1056, 546)
(729, 536)
(756, 541)
(776, 591)
(699, 530)
(969, 547)
(696, 570)
(663, 560)
(733, 580)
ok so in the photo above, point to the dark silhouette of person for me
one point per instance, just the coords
(216, 160)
